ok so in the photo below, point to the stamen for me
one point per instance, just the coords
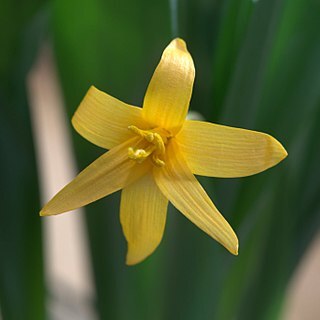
(158, 142)
(156, 148)
(139, 154)
(158, 162)
(142, 133)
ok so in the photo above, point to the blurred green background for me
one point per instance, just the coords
(258, 67)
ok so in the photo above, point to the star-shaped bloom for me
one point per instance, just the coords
(154, 153)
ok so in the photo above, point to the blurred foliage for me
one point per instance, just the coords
(22, 291)
(257, 65)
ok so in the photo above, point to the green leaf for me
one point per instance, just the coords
(21, 269)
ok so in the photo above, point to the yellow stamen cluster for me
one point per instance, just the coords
(156, 147)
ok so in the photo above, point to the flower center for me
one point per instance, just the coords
(156, 140)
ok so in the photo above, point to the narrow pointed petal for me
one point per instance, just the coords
(220, 151)
(168, 95)
(104, 120)
(109, 173)
(143, 215)
(179, 185)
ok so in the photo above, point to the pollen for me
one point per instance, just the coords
(155, 149)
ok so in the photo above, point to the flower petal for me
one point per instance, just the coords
(109, 173)
(220, 151)
(104, 120)
(167, 99)
(179, 185)
(143, 215)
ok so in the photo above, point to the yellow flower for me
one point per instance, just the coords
(154, 154)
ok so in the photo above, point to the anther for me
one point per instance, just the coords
(156, 147)
(158, 162)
